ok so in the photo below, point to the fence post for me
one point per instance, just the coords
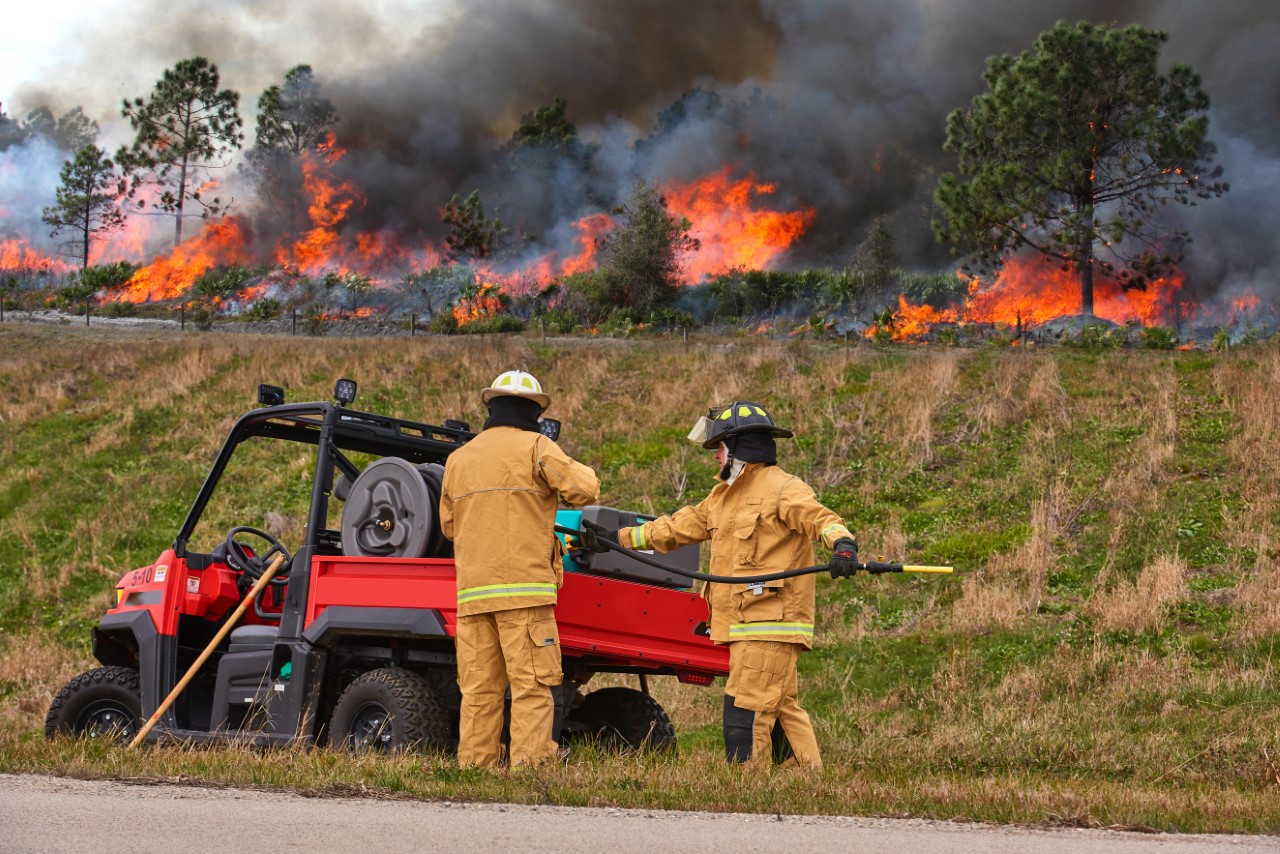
(86, 312)
(413, 324)
(182, 317)
(295, 323)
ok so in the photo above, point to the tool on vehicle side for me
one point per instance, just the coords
(258, 587)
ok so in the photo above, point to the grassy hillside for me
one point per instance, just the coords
(1103, 654)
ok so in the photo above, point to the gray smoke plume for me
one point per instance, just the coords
(841, 105)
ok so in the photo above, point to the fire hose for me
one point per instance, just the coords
(871, 567)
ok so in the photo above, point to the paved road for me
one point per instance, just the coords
(52, 814)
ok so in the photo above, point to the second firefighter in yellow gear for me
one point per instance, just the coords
(498, 503)
(760, 520)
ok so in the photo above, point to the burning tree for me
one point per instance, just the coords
(644, 253)
(472, 234)
(87, 201)
(187, 128)
(293, 119)
(1073, 150)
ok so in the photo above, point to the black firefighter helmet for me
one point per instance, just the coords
(741, 416)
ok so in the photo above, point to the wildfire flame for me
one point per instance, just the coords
(222, 242)
(17, 255)
(1028, 291)
(1034, 290)
(331, 200)
(484, 304)
(732, 230)
(590, 229)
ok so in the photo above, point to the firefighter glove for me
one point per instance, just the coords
(593, 537)
(844, 558)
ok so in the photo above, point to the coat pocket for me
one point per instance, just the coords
(544, 638)
(758, 676)
(744, 533)
(757, 603)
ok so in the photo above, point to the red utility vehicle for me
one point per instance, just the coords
(352, 644)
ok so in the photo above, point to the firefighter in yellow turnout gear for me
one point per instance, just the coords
(759, 520)
(498, 504)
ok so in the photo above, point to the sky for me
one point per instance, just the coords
(93, 54)
(33, 37)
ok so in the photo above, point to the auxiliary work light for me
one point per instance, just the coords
(344, 391)
(270, 395)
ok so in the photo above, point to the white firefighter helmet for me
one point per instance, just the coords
(517, 384)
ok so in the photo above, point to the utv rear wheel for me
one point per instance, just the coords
(624, 719)
(388, 710)
(101, 703)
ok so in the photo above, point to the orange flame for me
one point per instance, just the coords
(1246, 303)
(1032, 290)
(353, 314)
(591, 228)
(732, 231)
(1029, 291)
(223, 242)
(330, 201)
(484, 304)
(18, 257)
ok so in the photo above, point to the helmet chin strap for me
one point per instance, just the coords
(732, 467)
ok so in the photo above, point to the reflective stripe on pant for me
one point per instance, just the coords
(520, 648)
(763, 680)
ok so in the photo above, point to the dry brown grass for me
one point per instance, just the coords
(1250, 385)
(1136, 482)
(1029, 715)
(1258, 598)
(1012, 584)
(698, 779)
(39, 666)
(1142, 606)
(1019, 386)
(911, 401)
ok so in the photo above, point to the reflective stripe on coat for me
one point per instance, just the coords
(498, 504)
(765, 521)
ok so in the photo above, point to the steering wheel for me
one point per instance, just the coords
(253, 566)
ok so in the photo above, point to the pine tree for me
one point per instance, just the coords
(187, 128)
(87, 201)
(293, 119)
(1073, 150)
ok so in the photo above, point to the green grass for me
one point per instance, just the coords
(1042, 683)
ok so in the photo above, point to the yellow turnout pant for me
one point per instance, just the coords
(520, 648)
(763, 679)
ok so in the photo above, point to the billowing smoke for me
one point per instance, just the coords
(29, 179)
(840, 105)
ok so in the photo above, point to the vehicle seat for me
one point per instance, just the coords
(246, 638)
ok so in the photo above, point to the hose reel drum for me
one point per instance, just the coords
(391, 510)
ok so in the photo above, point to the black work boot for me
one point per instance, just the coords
(781, 746)
(738, 734)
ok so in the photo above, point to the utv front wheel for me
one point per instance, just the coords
(101, 703)
(388, 710)
(624, 719)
